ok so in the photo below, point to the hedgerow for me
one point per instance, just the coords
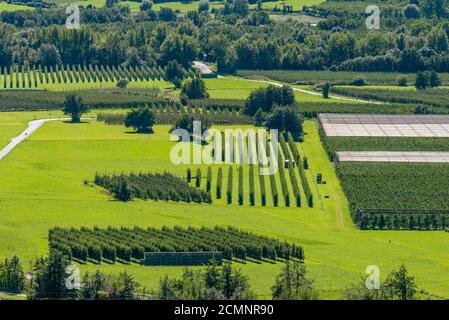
(155, 186)
(240, 186)
(401, 220)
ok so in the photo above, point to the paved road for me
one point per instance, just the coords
(32, 126)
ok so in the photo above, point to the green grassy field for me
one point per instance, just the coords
(42, 187)
(238, 88)
(13, 7)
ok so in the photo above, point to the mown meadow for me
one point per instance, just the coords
(48, 182)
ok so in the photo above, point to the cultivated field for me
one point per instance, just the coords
(43, 188)
(395, 186)
(79, 77)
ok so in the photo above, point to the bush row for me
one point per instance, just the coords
(240, 186)
(129, 244)
(156, 186)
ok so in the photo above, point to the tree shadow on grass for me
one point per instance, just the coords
(149, 131)
(81, 122)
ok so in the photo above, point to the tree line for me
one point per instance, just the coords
(49, 278)
(146, 38)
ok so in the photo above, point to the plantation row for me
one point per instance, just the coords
(402, 220)
(394, 186)
(287, 179)
(129, 244)
(304, 77)
(334, 144)
(155, 186)
(436, 97)
(20, 77)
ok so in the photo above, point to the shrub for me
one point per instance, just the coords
(122, 83)
(240, 187)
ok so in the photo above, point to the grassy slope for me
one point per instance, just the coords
(43, 187)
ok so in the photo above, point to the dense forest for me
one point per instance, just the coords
(413, 36)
